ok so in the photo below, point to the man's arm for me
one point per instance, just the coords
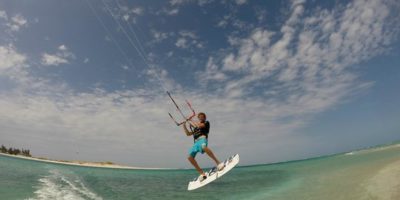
(188, 133)
(197, 124)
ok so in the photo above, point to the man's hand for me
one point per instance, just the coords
(188, 133)
(197, 124)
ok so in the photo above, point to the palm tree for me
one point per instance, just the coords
(3, 149)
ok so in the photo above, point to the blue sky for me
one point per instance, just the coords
(279, 80)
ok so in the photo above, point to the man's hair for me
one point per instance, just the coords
(201, 113)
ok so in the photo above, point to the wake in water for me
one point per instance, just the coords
(64, 185)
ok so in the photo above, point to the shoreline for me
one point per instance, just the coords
(380, 185)
(116, 166)
(83, 163)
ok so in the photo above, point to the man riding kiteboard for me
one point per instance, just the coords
(200, 131)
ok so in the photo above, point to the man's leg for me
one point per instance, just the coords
(194, 163)
(211, 154)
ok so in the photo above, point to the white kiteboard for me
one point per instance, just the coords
(214, 174)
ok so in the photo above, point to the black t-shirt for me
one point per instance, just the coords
(201, 131)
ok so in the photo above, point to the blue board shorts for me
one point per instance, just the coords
(198, 146)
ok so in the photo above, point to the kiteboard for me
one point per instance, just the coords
(214, 174)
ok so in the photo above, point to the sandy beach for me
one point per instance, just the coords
(81, 163)
(385, 183)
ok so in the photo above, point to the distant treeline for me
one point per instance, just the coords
(15, 151)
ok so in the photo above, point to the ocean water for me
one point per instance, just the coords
(365, 174)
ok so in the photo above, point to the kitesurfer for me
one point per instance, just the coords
(200, 135)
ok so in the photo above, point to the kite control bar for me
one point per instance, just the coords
(180, 111)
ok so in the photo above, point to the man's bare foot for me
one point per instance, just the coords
(220, 166)
(202, 177)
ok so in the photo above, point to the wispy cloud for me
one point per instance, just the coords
(232, 20)
(129, 14)
(174, 6)
(3, 15)
(159, 36)
(10, 58)
(86, 60)
(17, 22)
(188, 39)
(182, 2)
(173, 11)
(48, 59)
(61, 57)
(177, 2)
(311, 57)
(240, 2)
(11, 25)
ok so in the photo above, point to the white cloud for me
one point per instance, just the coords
(63, 56)
(129, 14)
(17, 22)
(11, 25)
(204, 2)
(174, 6)
(62, 48)
(125, 67)
(261, 14)
(14, 66)
(126, 17)
(49, 59)
(181, 43)
(170, 53)
(212, 73)
(159, 36)
(183, 2)
(137, 10)
(240, 2)
(176, 2)
(232, 20)
(3, 15)
(86, 60)
(188, 39)
(10, 58)
(224, 21)
(173, 11)
(251, 52)
(189, 34)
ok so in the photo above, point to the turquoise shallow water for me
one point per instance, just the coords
(366, 174)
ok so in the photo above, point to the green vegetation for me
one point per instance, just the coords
(15, 151)
(26, 152)
(105, 163)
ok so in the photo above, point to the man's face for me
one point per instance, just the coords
(202, 118)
